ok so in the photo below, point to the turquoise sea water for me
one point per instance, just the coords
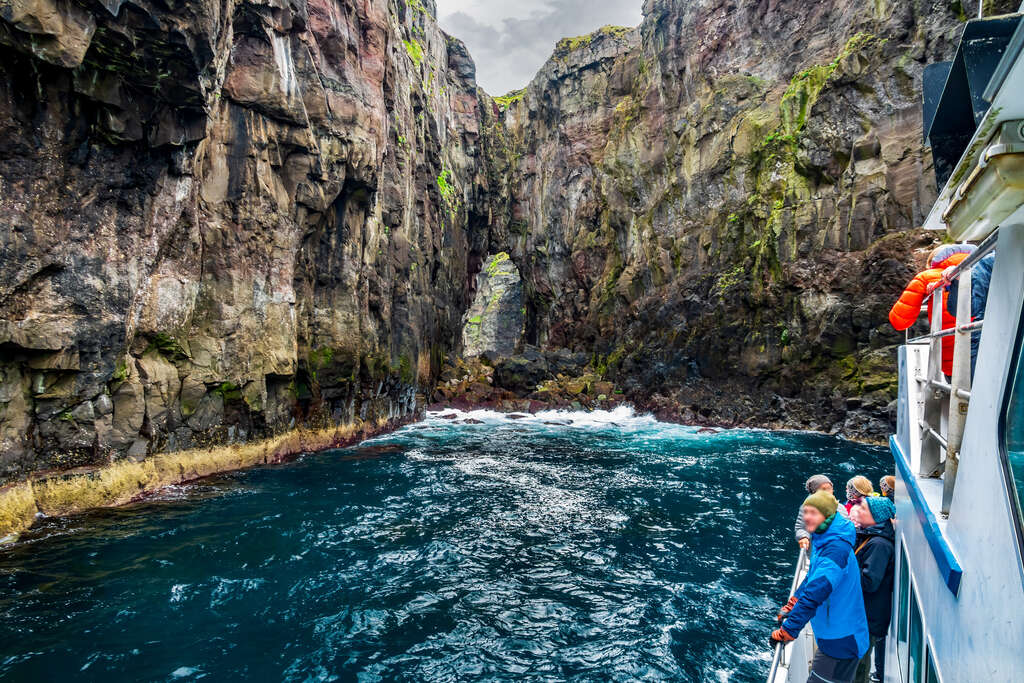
(582, 547)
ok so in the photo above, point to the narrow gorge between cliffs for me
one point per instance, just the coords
(319, 362)
(237, 231)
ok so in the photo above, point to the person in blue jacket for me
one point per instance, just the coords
(981, 281)
(830, 596)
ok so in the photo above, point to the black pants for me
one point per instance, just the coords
(864, 669)
(825, 669)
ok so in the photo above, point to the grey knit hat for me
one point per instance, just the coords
(816, 482)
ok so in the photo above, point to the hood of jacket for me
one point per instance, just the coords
(840, 530)
(884, 530)
(952, 255)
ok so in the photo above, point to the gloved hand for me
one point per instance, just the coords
(785, 610)
(804, 543)
(779, 635)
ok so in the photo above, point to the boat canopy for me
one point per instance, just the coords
(975, 128)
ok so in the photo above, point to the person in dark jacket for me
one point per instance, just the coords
(875, 556)
(981, 281)
(830, 595)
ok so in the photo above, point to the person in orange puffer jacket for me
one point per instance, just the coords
(908, 308)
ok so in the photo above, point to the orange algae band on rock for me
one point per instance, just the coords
(126, 481)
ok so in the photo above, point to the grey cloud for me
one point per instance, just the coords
(509, 50)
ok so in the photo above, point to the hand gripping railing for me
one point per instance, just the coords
(779, 657)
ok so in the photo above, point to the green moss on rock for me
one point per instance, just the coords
(567, 45)
(508, 99)
(415, 51)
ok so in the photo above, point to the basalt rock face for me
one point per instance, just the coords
(721, 205)
(223, 219)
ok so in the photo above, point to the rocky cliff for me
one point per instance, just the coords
(722, 204)
(223, 220)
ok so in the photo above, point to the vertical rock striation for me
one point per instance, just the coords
(721, 205)
(494, 322)
(223, 219)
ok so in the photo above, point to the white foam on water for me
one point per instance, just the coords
(187, 671)
(178, 592)
(624, 420)
(624, 417)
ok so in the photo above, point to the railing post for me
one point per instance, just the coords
(961, 381)
(779, 655)
(934, 400)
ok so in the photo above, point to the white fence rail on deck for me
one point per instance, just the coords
(946, 401)
(792, 661)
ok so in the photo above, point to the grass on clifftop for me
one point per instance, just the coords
(566, 45)
(508, 99)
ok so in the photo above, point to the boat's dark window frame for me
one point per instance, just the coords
(931, 668)
(915, 674)
(1010, 392)
(903, 612)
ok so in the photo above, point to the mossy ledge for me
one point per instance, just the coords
(68, 493)
(567, 45)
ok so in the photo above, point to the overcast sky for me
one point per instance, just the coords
(511, 39)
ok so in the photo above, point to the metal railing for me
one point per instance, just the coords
(946, 402)
(779, 658)
(970, 327)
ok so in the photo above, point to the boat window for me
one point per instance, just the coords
(915, 646)
(1013, 438)
(902, 607)
(932, 673)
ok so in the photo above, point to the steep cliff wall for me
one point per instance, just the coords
(722, 204)
(223, 219)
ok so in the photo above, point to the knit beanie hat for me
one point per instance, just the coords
(888, 484)
(816, 482)
(861, 486)
(824, 501)
(881, 509)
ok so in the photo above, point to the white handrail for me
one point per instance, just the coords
(961, 380)
(969, 327)
(945, 407)
(780, 648)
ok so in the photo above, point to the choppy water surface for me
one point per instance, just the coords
(611, 548)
